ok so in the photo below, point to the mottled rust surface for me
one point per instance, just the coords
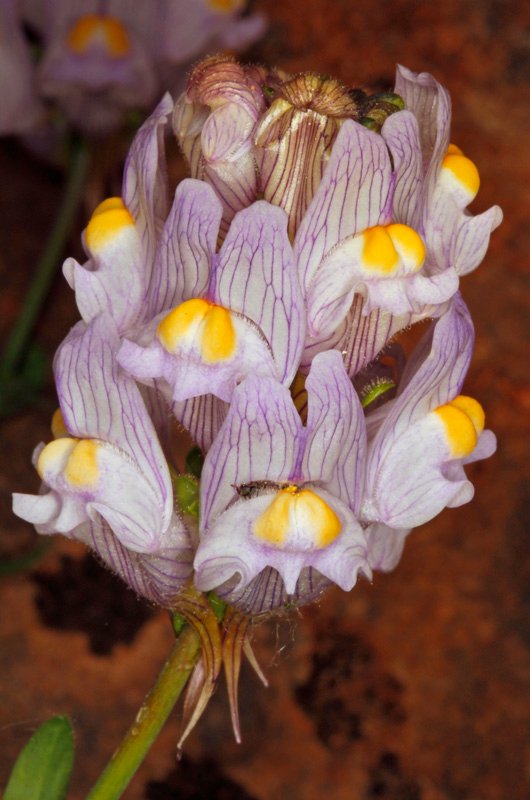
(413, 688)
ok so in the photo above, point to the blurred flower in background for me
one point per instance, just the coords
(95, 61)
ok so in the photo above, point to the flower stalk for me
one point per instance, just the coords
(150, 719)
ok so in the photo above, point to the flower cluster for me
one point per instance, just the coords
(98, 60)
(257, 309)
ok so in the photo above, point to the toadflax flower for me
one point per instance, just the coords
(420, 441)
(105, 479)
(276, 494)
(257, 310)
(102, 59)
(227, 314)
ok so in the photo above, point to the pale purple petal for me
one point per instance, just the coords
(157, 577)
(113, 281)
(412, 473)
(406, 484)
(335, 449)
(455, 238)
(385, 546)
(39, 509)
(99, 401)
(353, 195)
(366, 335)
(144, 190)
(431, 105)
(435, 373)
(184, 374)
(229, 546)
(401, 134)
(202, 417)
(256, 276)
(259, 440)
(266, 592)
(187, 245)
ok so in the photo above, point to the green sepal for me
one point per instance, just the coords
(370, 123)
(42, 770)
(218, 605)
(178, 622)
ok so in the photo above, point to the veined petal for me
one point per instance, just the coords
(98, 401)
(353, 195)
(314, 529)
(97, 478)
(365, 335)
(431, 105)
(266, 592)
(401, 134)
(435, 372)
(202, 417)
(198, 348)
(383, 264)
(159, 576)
(186, 248)
(335, 449)
(408, 484)
(429, 431)
(144, 190)
(455, 238)
(385, 546)
(256, 276)
(259, 440)
(114, 280)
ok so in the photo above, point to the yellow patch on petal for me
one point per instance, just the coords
(461, 169)
(379, 253)
(297, 510)
(463, 419)
(108, 219)
(473, 409)
(387, 247)
(92, 29)
(198, 319)
(178, 323)
(226, 6)
(57, 425)
(54, 456)
(109, 204)
(409, 245)
(82, 466)
(219, 336)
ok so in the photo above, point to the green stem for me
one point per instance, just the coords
(47, 265)
(150, 719)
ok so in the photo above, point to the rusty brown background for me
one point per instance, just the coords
(413, 688)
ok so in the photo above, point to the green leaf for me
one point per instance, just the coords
(42, 770)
